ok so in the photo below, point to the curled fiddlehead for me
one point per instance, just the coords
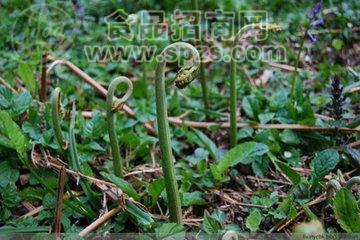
(352, 181)
(183, 78)
(55, 103)
(332, 187)
(112, 107)
(233, 94)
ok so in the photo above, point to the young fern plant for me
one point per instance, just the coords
(114, 105)
(233, 93)
(55, 103)
(184, 77)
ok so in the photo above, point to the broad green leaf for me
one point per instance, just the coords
(15, 135)
(170, 231)
(193, 198)
(289, 137)
(210, 225)
(8, 175)
(155, 189)
(208, 144)
(324, 162)
(122, 184)
(25, 73)
(253, 220)
(347, 211)
(238, 154)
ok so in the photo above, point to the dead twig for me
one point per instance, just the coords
(59, 201)
(101, 221)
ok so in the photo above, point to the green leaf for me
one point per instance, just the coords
(141, 217)
(15, 135)
(337, 44)
(210, 225)
(122, 184)
(8, 174)
(25, 73)
(155, 189)
(324, 162)
(286, 169)
(170, 231)
(193, 198)
(289, 137)
(286, 209)
(347, 211)
(253, 220)
(238, 154)
(208, 144)
(17, 230)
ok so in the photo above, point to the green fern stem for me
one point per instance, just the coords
(55, 103)
(184, 77)
(112, 107)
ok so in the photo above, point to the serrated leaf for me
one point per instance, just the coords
(324, 162)
(347, 211)
(13, 132)
(253, 220)
(193, 198)
(210, 225)
(8, 175)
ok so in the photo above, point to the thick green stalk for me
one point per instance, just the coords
(55, 102)
(233, 91)
(233, 101)
(184, 77)
(113, 106)
(204, 87)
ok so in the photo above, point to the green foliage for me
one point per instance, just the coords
(238, 154)
(324, 162)
(168, 231)
(253, 220)
(347, 211)
(122, 184)
(210, 225)
(25, 73)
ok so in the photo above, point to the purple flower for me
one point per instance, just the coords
(314, 21)
(315, 11)
(317, 22)
(311, 37)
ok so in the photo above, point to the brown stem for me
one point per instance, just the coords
(59, 202)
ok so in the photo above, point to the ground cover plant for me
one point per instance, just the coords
(190, 118)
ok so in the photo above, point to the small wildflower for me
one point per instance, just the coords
(314, 20)
(317, 22)
(315, 11)
(311, 37)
